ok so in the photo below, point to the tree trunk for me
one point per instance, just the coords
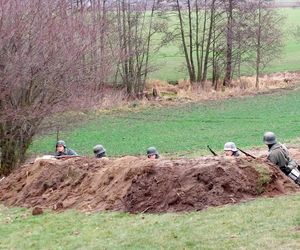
(258, 48)
(199, 70)
(212, 19)
(15, 138)
(229, 39)
(186, 55)
(193, 76)
(9, 158)
(202, 43)
(148, 47)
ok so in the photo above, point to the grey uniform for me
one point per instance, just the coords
(67, 151)
(279, 155)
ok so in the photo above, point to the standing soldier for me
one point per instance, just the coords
(99, 151)
(62, 150)
(279, 155)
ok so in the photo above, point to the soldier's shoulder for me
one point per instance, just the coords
(71, 152)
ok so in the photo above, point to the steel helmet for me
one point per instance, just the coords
(61, 143)
(99, 149)
(269, 138)
(152, 151)
(230, 146)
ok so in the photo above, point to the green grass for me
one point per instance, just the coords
(169, 61)
(185, 129)
(264, 178)
(261, 224)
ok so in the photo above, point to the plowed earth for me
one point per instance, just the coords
(136, 184)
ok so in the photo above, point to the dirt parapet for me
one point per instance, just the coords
(136, 184)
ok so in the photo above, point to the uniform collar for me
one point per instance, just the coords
(275, 146)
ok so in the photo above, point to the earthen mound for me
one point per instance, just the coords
(136, 184)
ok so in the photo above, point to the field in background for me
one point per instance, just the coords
(170, 61)
(261, 224)
(185, 129)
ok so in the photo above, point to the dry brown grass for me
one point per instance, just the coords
(112, 98)
(184, 90)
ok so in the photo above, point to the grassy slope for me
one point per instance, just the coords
(170, 61)
(187, 128)
(260, 224)
(290, 58)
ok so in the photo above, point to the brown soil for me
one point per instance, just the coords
(140, 185)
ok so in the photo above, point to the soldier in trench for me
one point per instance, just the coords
(280, 156)
(230, 149)
(62, 150)
(152, 153)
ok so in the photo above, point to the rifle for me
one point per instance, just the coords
(213, 152)
(66, 156)
(247, 154)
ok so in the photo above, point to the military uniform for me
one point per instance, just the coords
(279, 155)
(67, 151)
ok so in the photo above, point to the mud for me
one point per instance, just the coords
(136, 184)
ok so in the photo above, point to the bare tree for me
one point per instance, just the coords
(196, 22)
(266, 36)
(136, 25)
(230, 5)
(219, 37)
(44, 61)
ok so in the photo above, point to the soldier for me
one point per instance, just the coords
(99, 151)
(152, 153)
(279, 155)
(231, 149)
(61, 149)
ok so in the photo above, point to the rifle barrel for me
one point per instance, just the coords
(247, 154)
(213, 152)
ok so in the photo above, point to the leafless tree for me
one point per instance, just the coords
(45, 67)
(196, 23)
(265, 38)
(136, 25)
(218, 37)
(229, 41)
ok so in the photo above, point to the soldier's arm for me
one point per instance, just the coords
(279, 157)
(273, 158)
(282, 161)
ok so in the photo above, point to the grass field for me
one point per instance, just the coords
(261, 224)
(170, 61)
(185, 129)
